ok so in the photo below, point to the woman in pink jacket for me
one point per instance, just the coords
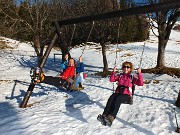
(123, 93)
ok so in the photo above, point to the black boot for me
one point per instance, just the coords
(80, 85)
(109, 120)
(101, 119)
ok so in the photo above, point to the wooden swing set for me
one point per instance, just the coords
(174, 4)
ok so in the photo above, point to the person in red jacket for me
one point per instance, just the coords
(123, 93)
(65, 79)
(69, 71)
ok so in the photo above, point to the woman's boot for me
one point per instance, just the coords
(109, 120)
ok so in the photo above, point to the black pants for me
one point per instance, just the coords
(55, 81)
(114, 102)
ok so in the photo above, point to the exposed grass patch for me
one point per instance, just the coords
(156, 81)
(177, 27)
(163, 70)
(98, 48)
(152, 41)
(103, 74)
(147, 81)
(119, 50)
(153, 81)
(6, 81)
(4, 44)
(127, 55)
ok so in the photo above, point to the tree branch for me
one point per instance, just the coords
(172, 20)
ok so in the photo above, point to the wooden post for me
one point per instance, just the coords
(55, 56)
(178, 100)
(48, 50)
(62, 44)
(27, 95)
(162, 6)
(32, 85)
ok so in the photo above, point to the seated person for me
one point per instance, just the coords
(64, 63)
(65, 79)
(123, 93)
(79, 73)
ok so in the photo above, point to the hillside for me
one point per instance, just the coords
(58, 112)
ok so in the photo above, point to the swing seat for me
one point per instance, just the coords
(69, 86)
(130, 101)
(121, 88)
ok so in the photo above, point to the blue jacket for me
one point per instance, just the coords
(64, 65)
(79, 67)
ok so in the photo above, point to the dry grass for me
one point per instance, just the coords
(152, 41)
(119, 50)
(6, 81)
(153, 81)
(103, 74)
(127, 55)
(4, 44)
(164, 70)
(177, 27)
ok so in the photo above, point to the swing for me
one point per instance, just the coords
(73, 80)
(131, 76)
(84, 74)
(86, 39)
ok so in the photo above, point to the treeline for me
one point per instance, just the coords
(31, 20)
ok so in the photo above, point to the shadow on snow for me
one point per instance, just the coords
(74, 103)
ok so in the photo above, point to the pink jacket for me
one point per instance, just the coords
(125, 80)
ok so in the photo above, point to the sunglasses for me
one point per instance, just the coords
(126, 67)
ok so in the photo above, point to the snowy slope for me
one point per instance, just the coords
(59, 112)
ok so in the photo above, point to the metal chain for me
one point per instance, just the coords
(72, 35)
(142, 55)
(117, 47)
(88, 38)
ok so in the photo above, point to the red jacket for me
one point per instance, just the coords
(68, 73)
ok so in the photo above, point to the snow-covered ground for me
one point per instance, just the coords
(58, 112)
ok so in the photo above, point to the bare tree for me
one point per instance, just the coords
(7, 9)
(105, 30)
(165, 21)
(30, 19)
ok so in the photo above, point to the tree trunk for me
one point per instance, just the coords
(38, 50)
(105, 68)
(178, 100)
(162, 40)
(161, 52)
(64, 47)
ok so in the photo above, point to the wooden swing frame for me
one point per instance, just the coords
(174, 4)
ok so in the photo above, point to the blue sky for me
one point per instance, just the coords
(137, 1)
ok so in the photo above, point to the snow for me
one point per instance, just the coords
(57, 112)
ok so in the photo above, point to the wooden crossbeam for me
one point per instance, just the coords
(163, 6)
